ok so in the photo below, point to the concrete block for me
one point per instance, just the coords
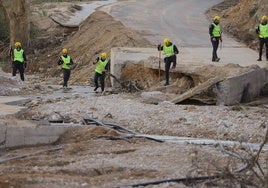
(241, 88)
(14, 136)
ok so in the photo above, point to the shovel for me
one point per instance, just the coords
(159, 64)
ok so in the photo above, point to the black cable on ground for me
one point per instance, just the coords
(179, 180)
(113, 126)
(31, 154)
(118, 128)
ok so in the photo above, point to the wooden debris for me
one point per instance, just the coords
(197, 89)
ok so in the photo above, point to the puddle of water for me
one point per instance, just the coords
(87, 9)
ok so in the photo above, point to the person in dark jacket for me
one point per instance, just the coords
(262, 31)
(19, 61)
(66, 63)
(215, 37)
(170, 51)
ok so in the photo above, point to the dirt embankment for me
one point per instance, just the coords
(98, 33)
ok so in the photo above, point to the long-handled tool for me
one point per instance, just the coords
(159, 63)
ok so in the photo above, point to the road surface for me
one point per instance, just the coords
(185, 23)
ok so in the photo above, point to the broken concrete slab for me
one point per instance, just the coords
(15, 133)
(191, 60)
(6, 109)
(78, 13)
(155, 97)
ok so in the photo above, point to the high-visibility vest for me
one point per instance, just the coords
(168, 50)
(66, 62)
(100, 66)
(216, 30)
(263, 31)
(18, 55)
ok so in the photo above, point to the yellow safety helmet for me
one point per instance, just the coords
(217, 18)
(166, 41)
(64, 51)
(103, 55)
(17, 44)
(264, 18)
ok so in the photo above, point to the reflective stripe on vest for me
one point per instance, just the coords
(18, 55)
(216, 30)
(168, 50)
(263, 31)
(66, 62)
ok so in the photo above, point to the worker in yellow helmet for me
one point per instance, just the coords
(19, 61)
(102, 65)
(262, 31)
(215, 36)
(66, 63)
(170, 50)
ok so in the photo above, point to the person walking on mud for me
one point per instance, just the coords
(215, 37)
(262, 31)
(102, 64)
(65, 61)
(170, 51)
(18, 59)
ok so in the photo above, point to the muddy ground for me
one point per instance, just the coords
(97, 156)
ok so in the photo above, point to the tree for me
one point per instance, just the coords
(17, 13)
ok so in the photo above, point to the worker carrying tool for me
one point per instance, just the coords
(215, 37)
(19, 61)
(262, 31)
(170, 51)
(102, 65)
(66, 63)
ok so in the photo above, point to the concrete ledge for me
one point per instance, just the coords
(13, 136)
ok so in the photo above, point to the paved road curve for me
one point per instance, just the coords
(184, 22)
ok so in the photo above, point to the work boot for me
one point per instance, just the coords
(259, 59)
(217, 59)
(166, 84)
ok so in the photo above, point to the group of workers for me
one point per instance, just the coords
(102, 65)
(19, 61)
(170, 50)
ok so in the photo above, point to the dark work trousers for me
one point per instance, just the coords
(100, 77)
(168, 61)
(262, 42)
(215, 45)
(66, 76)
(16, 65)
